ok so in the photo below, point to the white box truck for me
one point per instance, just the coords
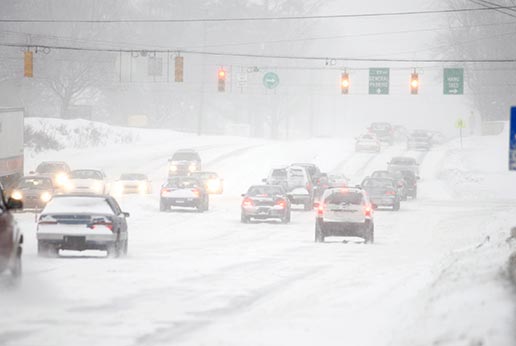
(11, 145)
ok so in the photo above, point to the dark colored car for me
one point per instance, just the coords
(33, 191)
(344, 212)
(382, 192)
(383, 131)
(82, 222)
(212, 182)
(411, 183)
(184, 162)
(401, 183)
(11, 238)
(265, 202)
(186, 192)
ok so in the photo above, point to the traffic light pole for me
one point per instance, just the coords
(201, 98)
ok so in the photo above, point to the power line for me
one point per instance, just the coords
(246, 55)
(255, 19)
(488, 4)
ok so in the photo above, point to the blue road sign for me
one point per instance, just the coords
(512, 141)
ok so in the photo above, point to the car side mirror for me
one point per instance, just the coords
(264, 180)
(242, 195)
(14, 204)
(126, 214)
(374, 206)
(32, 172)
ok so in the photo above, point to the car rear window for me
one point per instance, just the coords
(183, 183)
(78, 204)
(339, 197)
(378, 183)
(403, 161)
(264, 190)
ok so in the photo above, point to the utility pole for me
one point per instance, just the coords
(203, 80)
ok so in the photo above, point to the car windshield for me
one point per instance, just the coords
(183, 183)
(205, 175)
(78, 204)
(296, 173)
(133, 176)
(343, 197)
(50, 168)
(378, 182)
(381, 174)
(185, 156)
(264, 190)
(279, 173)
(86, 174)
(35, 183)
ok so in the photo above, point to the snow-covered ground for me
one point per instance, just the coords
(435, 275)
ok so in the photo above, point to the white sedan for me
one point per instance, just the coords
(88, 181)
(82, 222)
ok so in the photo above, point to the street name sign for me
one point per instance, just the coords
(453, 81)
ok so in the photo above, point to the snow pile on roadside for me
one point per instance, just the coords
(55, 134)
(479, 170)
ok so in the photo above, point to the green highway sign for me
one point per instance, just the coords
(453, 81)
(378, 81)
(270, 80)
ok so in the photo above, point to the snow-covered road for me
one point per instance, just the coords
(433, 276)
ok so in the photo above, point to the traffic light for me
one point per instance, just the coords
(344, 83)
(27, 67)
(414, 83)
(178, 63)
(221, 74)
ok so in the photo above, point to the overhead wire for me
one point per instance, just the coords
(254, 19)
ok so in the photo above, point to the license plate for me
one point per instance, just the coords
(179, 201)
(263, 211)
(74, 240)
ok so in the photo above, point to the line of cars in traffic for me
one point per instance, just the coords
(380, 133)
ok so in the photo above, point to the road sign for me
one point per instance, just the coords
(460, 124)
(378, 81)
(453, 81)
(512, 141)
(270, 80)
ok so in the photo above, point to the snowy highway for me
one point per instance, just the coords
(206, 279)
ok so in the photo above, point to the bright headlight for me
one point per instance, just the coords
(17, 195)
(192, 168)
(173, 168)
(45, 197)
(213, 185)
(142, 187)
(97, 187)
(61, 179)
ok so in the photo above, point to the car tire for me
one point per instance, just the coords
(125, 247)
(319, 233)
(16, 269)
(163, 206)
(369, 233)
(396, 206)
(114, 250)
(244, 218)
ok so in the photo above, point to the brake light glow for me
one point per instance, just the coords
(247, 202)
(308, 186)
(320, 210)
(196, 192)
(368, 210)
(281, 203)
(390, 193)
(101, 222)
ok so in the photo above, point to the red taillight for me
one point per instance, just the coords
(47, 220)
(247, 202)
(281, 203)
(368, 210)
(103, 223)
(308, 186)
(320, 209)
(390, 193)
(196, 192)
(164, 189)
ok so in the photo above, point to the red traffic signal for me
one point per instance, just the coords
(414, 83)
(221, 74)
(344, 83)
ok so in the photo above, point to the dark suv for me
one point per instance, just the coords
(11, 238)
(184, 162)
